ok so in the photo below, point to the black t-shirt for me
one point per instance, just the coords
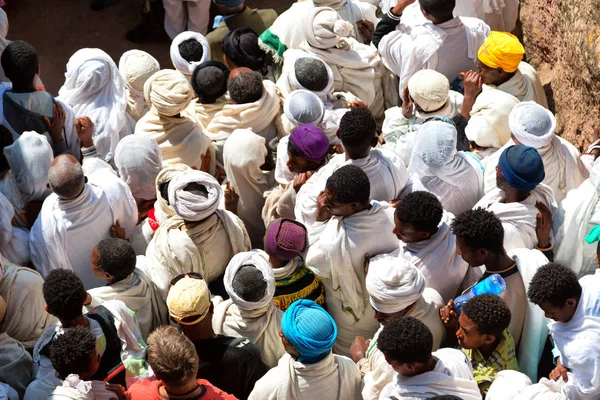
(231, 364)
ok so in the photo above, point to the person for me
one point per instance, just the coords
(209, 82)
(114, 261)
(572, 308)
(193, 16)
(299, 155)
(73, 218)
(423, 229)
(249, 169)
(337, 247)
(250, 311)
(119, 345)
(407, 345)
(16, 365)
(518, 194)
(48, 116)
(285, 242)
(455, 178)
(426, 95)
(440, 37)
(484, 338)
(188, 50)
(533, 125)
(480, 236)
(384, 168)
(94, 88)
(163, 210)
(240, 49)
(305, 71)
(136, 67)
(231, 364)
(201, 237)
(175, 363)
(396, 289)
(26, 183)
(14, 241)
(309, 370)
(500, 66)
(180, 140)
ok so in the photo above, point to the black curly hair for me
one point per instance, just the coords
(116, 257)
(479, 229)
(440, 9)
(406, 340)
(64, 294)
(20, 63)
(70, 352)
(422, 210)
(489, 313)
(350, 185)
(246, 87)
(249, 283)
(357, 131)
(311, 73)
(554, 283)
(191, 50)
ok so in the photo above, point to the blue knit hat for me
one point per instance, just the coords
(522, 167)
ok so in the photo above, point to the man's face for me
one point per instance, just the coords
(94, 364)
(297, 164)
(98, 273)
(336, 208)
(473, 257)
(385, 319)
(500, 181)
(489, 76)
(559, 314)
(468, 336)
(403, 369)
(407, 233)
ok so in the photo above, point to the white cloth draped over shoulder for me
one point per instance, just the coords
(508, 385)
(14, 242)
(139, 160)
(525, 85)
(94, 88)
(204, 113)
(136, 67)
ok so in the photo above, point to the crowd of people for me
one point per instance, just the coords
(290, 210)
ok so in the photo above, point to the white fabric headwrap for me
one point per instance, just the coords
(255, 259)
(303, 107)
(532, 124)
(321, 93)
(162, 210)
(190, 206)
(183, 66)
(325, 29)
(136, 67)
(393, 283)
(139, 160)
(168, 91)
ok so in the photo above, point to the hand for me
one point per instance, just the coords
(337, 149)
(367, 263)
(357, 103)
(300, 180)
(231, 199)
(449, 316)
(220, 175)
(559, 371)
(401, 5)
(472, 84)
(118, 390)
(359, 348)
(323, 212)
(543, 225)
(395, 202)
(85, 130)
(407, 105)
(118, 232)
(55, 127)
(366, 29)
(206, 159)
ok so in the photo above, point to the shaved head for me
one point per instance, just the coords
(66, 177)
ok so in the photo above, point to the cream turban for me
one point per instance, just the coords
(255, 258)
(180, 63)
(393, 283)
(429, 89)
(191, 206)
(137, 67)
(325, 28)
(168, 91)
(162, 210)
(139, 160)
(532, 124)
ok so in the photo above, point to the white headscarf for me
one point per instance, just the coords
(162, 210)
(183, 66)
(14, 242)
(137, 67)
(253, 258)
(190, 206)
(303, 107)
(393, 283)
(94, 87)
(168, 92)
(138, 159)
(325, 29)
(532, 124)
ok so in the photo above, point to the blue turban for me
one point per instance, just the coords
(522, 167)
(310, 329)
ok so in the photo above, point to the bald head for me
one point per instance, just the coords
(66, 177)
(245, 86)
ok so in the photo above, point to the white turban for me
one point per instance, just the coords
(303, 107)
(326, 91)
(190, 206)
(257, 259)
(168, 91)
(162, 210)
(393, 283)
(325, 29)
(180, 63)
(136, 67)
(532, 124)
(14, 242)
(139, 160)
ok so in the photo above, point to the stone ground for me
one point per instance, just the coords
(58, 28)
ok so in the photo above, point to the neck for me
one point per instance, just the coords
(498, 262)
(429, 366)
(24, 89)
(198, 331)
(514, 195)
(357, 156)
(79, 321)
(186, 389)
(363, 207)
(275, 263)
(488, 349)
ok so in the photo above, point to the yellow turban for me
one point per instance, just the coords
(501, 50)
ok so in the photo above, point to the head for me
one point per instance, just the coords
(245, 86)
(240, 49)
(358, 132)
(348, 191)
(229, 7)
(285, 239)
(479, 236)
(64, 295)
(136, 67)
(249, 280)
(417, 217)
(499, 57)
(66, 177)
(113, 260)
(307, 149)
(482, 322)
(520, 168)
(249, 283)
(74, 352)
(556, 290)
(302, 107)
(189, 302)
(172, 356)
(209, 81)
(406, 344)
(429, 90)
(191, 50)
(311, 73)
(531, 124)
(20, 63)
(437, 11)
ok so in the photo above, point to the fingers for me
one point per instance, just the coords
(228, 185)
(563, 373)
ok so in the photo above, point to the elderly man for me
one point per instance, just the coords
(309, 369)
(533, 125)
(136, 67)
(396, 289)
(188, 50)
(77, 216)
(201, 237)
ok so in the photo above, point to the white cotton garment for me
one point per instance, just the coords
(507, 385)
(181, 64)
(14, 241)
(163, 210)
(525, 85)
(136, 67)
(139, 160)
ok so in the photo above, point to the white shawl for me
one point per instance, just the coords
(525, 85)
(139, 160)
(14, 242)
(136, 67)
(16, 365)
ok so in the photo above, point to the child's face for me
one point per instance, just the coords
(468, 336)
(93, 366)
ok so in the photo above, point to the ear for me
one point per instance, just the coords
(488, 339)
(48, 310)
(424, 235)
(571, 302)
(337, 133)
(483, 253)
(375, 141)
